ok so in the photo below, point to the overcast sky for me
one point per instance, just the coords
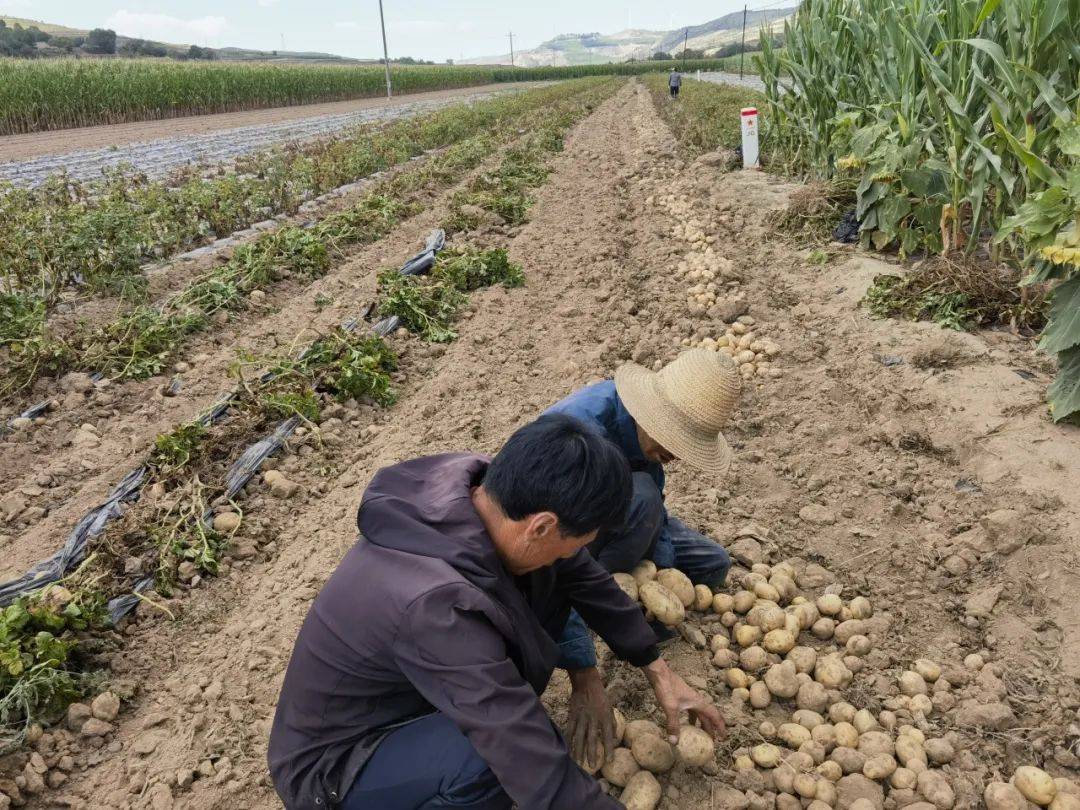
(420, 28)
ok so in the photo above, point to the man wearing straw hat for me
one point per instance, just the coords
(654, 418)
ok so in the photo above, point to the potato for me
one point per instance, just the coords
(842, 712)
(779, 641)
(829, 604)
(807, 614)
(846, 629)
(620, 725)
(850, 760)
(662, 603)
(763, 590)
(935, 788)
(911, 731)
(679, 584)
(846, 735)
(826, 791)
(858, 645)
(725, 658)
(792, 734)
(909, 750)
(720, 641)
(628, 584)
(872, 743)
(744, 763)
(743, 601)
(803, 658)
(807, 719)
(741, 694)
(830, 770)
(831, 673)
(921, 704)
(812, 696)
(766, 617)
(903, 779)
(939, 751)
(781, 680)
(784, 585)
(805, 785)
(760, 696)
(736, 678)
(703, 597)
(912, 683)
(818, 804)
(1036, 784)
(1003, 796)
(1066, 786)
(653, 753)
(860, 608)
(824, 735)
(879, 767)
(786, 801)
(729, 619)
(638, 728)
(620, 768)
(753, 659)
(765, 755)
(1065, 801)
(887, 720)
(748, 581)
(722, 603)
(792, 625)
(747, 636)
(763, 569)
(823, 629)
(929, 670)
(644, 571)
(695, 747)
(642, 792)
(864, 721)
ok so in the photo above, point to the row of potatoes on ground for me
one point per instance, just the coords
(831, 754)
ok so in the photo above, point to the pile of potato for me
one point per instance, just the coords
(751, 353)
(1034, 785)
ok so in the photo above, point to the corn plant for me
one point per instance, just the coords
(954, 118)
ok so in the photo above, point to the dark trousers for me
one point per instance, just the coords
(675, 91)
(425, 765)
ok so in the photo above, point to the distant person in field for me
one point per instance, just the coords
(654, 418)
(674, 82)
(416, 678)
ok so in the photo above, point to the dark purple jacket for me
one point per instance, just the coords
(421, 616)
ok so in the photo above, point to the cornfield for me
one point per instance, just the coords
(37, 95)
(958, 121)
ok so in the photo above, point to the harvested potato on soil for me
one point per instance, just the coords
(935, 788)
(643, 572)
(723, 603)
(1003, 796)
(765, 755)
(679, 584)
(703, 597)
(653, 753)
(620, 768)
(662, 603)
(642, 792)
(831, 673)
(782, 679)
(1036, 784)
(695, 747)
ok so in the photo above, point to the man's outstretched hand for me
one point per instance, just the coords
(591, 724)
(676, 696)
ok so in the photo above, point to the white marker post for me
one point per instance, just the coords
(750, 138)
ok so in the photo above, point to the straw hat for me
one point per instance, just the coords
(684, 405)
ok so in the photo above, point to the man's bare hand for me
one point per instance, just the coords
(591, 725)
(676, 696)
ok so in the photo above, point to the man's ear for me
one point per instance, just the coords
(542, 526)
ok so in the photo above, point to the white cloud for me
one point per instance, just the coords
(266, 3)
(165, 27)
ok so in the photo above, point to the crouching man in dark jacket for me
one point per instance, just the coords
(415, 681)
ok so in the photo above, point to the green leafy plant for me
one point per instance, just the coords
(425, 306)
(470, 269)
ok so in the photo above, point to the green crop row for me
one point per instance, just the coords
(142, 341)
(957, 120)
(38, 94)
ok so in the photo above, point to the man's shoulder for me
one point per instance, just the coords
(591, 401)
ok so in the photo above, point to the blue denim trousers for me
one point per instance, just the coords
(649, 533)
(427, 764)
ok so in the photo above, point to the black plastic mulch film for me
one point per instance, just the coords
(72, 553)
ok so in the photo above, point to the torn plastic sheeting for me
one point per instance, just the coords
(120, 606)
(251, 459)
(425, 259)
(73, 551)
(847, 232)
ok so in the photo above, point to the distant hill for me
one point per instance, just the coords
(170, 49)
(581, 49)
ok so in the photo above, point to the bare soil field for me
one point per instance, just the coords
(897, 462)
(158, 147)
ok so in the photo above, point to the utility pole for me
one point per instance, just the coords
(685, 36)
(386, 53)
(511, 49)
(742, 48)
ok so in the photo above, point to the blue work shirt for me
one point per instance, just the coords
(599, 405)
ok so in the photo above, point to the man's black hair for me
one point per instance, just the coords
(559, 464)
